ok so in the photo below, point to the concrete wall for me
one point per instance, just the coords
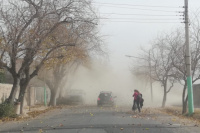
(4, 91)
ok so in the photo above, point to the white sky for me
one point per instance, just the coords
(125, 38)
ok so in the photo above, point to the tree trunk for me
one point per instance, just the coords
(164, 96)
(53, 86)
(164, 99)
(21, 98)
(184, 100)
(23, 86)
(13, 90)
(184, 110)
(53, 98)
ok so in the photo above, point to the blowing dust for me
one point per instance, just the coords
(102, 77)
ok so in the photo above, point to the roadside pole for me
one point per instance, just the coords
(188, 62)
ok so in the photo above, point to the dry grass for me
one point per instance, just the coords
(36, 111)
(177, 111)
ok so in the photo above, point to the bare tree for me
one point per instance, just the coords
(158, 58)
(168, 59)
(161, 65)
(55, 72)
(179, 60)
(59, 74)
(28, 30)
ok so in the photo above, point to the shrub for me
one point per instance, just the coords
(7, 110)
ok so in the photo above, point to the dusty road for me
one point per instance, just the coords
(99, 120)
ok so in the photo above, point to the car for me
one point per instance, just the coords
(105, 98)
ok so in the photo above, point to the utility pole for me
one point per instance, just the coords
(188, 62)
(150, 76)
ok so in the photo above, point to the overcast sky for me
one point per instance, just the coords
(148, 19)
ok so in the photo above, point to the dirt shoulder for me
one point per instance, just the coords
(30, 113)
(34, 112)
(169, 115)
(177, 111)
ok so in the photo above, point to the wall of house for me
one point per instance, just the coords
(196, 94)
(5, 90)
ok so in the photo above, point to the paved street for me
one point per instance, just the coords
(98, 120)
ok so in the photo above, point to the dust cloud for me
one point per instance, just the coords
(102, 77)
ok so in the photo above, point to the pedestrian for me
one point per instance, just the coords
(136, 101)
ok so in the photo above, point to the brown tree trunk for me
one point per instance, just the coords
(53, 98)
(21, 99)
(54, 91)
(13, 90)
(164, 99)
(23, 86)
(184, 109)
(164, 96)
(184, 100)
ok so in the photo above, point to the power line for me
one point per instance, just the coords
(164, 15)
(142, 9)
(141, 22)
(143, 19)
(135, 5)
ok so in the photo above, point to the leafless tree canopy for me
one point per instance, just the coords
(35, 31)
(28, 28)
(166, 59)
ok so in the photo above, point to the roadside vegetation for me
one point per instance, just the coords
(45, 37)
(164, 61)
(177, 111)
(7, 110)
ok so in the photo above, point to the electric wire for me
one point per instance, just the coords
(141, 22)
(135, 5)
(142, 9)
(123, 14)
(157, 18)
(167, 19)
